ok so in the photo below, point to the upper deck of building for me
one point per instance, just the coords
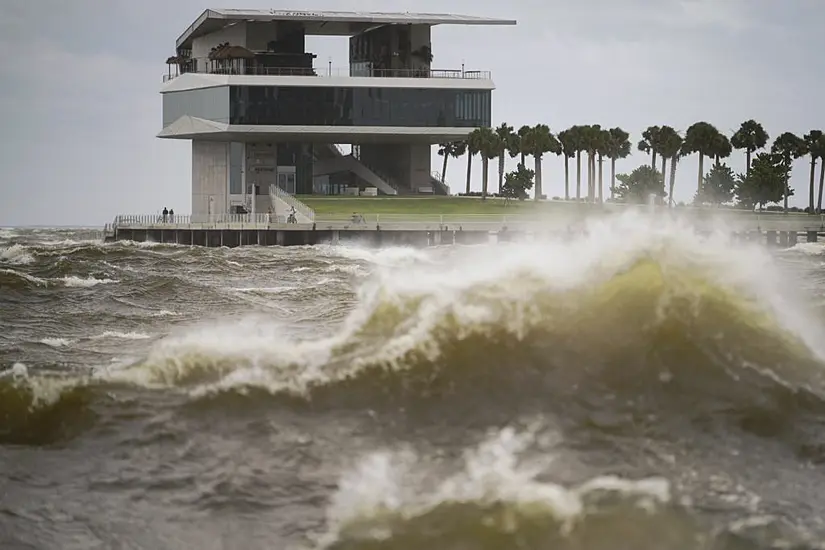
(273, 43)
(324, 23)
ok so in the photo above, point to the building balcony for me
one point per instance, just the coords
(363, 71)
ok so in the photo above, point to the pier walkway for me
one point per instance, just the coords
(388, 229)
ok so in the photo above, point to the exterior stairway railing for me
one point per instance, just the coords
(290, 199)
(356, 153)
(436, 177)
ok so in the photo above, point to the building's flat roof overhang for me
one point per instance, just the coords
(195, 128)
(196, 81)
(329, 23)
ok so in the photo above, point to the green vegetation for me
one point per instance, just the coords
(342, 205)
(640, 184)
(594, 144)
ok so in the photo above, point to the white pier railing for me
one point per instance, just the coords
(732, 221)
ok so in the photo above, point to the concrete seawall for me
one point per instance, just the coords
(426, 230)
(378, 238)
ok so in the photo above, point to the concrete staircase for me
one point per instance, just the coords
(283, 203)
(439, 187)
(349, 163)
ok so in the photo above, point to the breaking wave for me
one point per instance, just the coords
(42, 409)
(501, 496)
(633, 321)
(632, 310)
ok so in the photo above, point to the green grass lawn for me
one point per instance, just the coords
(415, 205)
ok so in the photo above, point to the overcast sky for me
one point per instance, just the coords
(80, 79)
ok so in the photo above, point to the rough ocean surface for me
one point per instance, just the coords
(638, 388)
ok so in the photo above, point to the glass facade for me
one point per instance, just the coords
(332, 106)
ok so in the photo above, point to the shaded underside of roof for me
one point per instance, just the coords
(331, 23)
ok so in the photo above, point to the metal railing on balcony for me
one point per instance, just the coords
(256, 70)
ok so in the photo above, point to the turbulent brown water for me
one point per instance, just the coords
(637, 388)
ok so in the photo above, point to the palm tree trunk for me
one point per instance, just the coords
(664, 170)
(787, 184)
(653, 159)
(500, 172)
(444, 168)
(813, 175)
(821, 183)
(538, 193)
(523, 160)
(701, 173)
(601, 181)
(469, 170)
(578, 175)
(589, 176)
(672, 178)
(612, 178)
(593, 177)
(485, 168)
(567, 178)
(747, 162)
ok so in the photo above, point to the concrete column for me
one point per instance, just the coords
(771, 238)
(811, 236)
(792, 238)
(336, 237)
(783, 239)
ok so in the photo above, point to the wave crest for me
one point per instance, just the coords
(496, 499)
(39, 410)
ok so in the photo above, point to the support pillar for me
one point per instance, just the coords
(783, 239)
(771, 238)
(793, 237)
(811, 236)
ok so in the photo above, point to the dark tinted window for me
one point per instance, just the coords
(327, 106)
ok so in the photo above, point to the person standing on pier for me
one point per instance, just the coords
(171, 215)
(165, 214)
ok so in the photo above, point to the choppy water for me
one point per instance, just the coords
(638, 388)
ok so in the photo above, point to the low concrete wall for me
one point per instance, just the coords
(373, 237)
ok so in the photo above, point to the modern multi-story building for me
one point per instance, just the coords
(262, 115)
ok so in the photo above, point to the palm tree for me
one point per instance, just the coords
(489, 148)
(592, 135)
(650, 143)
(522, 134)
(811, 143)
(702, 138)
(505, 141)
(588, 144)
(452, 149)
(751, 137)
(820, 148)
(568, 148)
(790, 147)
(670, 147)
(540, 140)
(665, 133)
(618, 147)
(473, 147)
(603, 151)
(578, 136)
(721, 148)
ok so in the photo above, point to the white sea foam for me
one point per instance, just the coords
(16, 254)
(57, 342)
(73, 281)
(258, 353)
(116, 334)
(392, 484)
